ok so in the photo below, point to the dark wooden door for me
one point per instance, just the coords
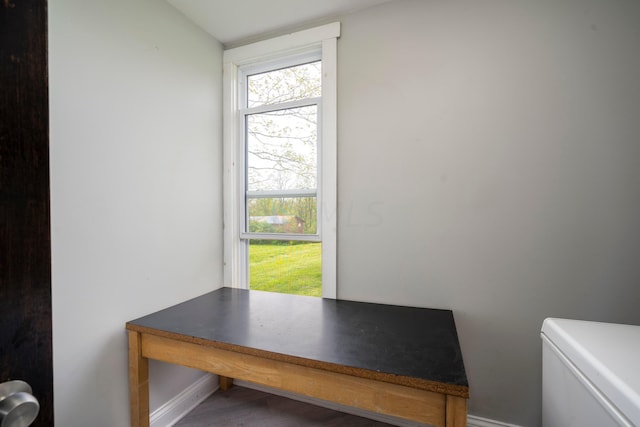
(25, 242)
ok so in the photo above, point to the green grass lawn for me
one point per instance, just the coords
(286, 268)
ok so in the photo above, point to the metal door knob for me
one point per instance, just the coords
(18, 407)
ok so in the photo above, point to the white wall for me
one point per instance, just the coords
(135, 94)
(489, 163)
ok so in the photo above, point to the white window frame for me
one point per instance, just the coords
(244, 111)
(321, 39)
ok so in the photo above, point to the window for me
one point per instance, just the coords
(280, 162)
(279, 110)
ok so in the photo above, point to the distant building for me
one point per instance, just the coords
(280, 223)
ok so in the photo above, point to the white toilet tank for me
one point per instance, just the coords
(591, 374)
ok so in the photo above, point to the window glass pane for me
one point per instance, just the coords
(282, 149)
(286, 267)
(295, 215)
(288, 84)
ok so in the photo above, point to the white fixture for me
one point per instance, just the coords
(591, 374)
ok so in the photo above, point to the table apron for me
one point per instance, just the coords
(391, 399)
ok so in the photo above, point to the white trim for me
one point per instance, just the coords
(183, 403)
(321, 39)
(473, 421)
(286, 44)
(232, 263)
(281, 106)
(307, 55)
(328, 203)
(268, 194)
(281, 236)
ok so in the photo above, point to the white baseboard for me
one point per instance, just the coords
(175, 409)
(473, 421)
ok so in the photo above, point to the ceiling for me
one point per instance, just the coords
(232, 21)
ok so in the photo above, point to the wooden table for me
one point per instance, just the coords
(399, 361)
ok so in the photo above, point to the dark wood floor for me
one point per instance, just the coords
(241, 406)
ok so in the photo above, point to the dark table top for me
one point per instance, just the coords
(419, 345)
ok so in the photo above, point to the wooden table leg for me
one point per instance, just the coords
(456, 414)
(225, 382)
(138, 382)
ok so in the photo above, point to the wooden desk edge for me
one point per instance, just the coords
(454, 409)
(434, 386)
